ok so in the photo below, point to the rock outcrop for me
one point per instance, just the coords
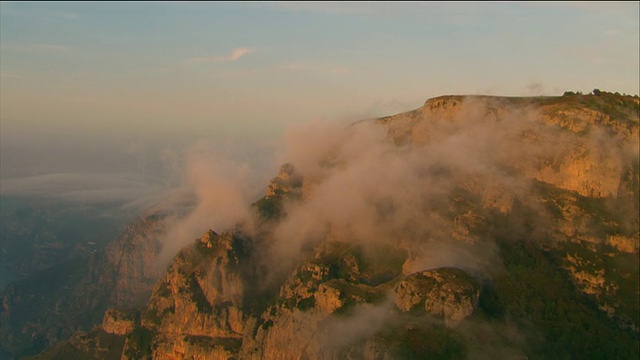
(117, 322)
(447, 293)
(199, 303)
(589, 158)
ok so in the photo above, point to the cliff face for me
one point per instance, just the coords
(200, 299)
(132, 264)
(576, 128)
(477, 227)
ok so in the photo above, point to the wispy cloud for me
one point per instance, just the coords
(235, 54)
(7, 75)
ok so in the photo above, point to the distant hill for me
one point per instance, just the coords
(51, 304)
(37, 233)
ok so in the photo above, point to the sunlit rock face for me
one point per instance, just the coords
(472, 227)
(448, 293)
(578, 143)
(117, 322)
(199, 301)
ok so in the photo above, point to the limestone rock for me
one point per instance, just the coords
(328, 298)
(447, 293)
(624, 243)
(199, 300)
(117, 322)
(286, 181)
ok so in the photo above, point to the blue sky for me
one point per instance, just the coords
(171, 68)
(104, 87)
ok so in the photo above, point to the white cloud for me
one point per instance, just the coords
(235, 54)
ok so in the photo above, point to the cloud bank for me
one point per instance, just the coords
(424, 180)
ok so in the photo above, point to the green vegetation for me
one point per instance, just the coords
(538, 294)
(97, 342)
(163, 290)
(269, 208)
(267, 324)
(356, 270)
(306, 303)
(604, 216)
(621, 277)
(354, 294)
(621, 271)
(261, 323)
(531, 291)
(490, 301)
(229, 344)
(140, 343)
(171, 309)
(622, 108)
(151, 314)
(371, 264)
(379, 263)
(420, 341)
(540, 297)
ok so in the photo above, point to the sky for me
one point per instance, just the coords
(96, 82)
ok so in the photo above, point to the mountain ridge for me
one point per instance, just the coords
(519, 212)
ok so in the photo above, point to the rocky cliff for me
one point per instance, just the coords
(479, 227)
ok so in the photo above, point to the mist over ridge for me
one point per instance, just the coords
(456, 184)
(366, 226)
(319, 180)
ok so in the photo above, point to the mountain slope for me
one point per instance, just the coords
(480, 227)
(53, 304)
